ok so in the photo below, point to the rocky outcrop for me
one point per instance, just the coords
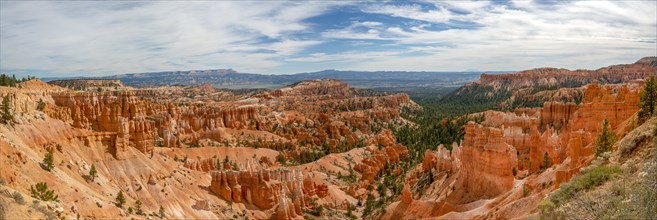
(614, 103)
(487, 162)
(316, 87)
(263, 188)
(556, 114)
(553, 77)
(84, 84)
(406, 194)
(390, 152)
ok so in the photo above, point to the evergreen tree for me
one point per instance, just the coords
(547, 161)
(605, 140)
(48, 162)
(162, 214)
(120, 200)
(648, 101)
(93, 173)
(41, 192)
(6, 110)
(138, 210)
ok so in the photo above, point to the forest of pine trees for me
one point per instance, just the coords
(6, 80)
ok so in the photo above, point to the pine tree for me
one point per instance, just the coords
(648, 101)
(120, 199)
(41, 192)
(48, 162)
(6, 110)
(138, 210)
(93, 173)
(547, 161)
(605, 140)
(162, 214)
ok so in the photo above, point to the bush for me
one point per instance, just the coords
(138, 210)
(6, 110)
(18, 197)
(93, 173)
(40, 191)
(48, 162)
(587, 180)
(41, 105)
(120, 200)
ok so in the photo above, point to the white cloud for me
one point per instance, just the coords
(118, 37)
(262, 36)
(526, 34)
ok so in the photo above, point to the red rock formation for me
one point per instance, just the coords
(391, 152)
(487, 162)
(316, 87)
(556, 113)
(406, 194)
(554, 77)
(262, 188)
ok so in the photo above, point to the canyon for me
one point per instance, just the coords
(314, 149)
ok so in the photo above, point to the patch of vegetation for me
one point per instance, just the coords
(586, 180)
(350, 178)
(432, 129)
(473, 98)
(120, 200)
(648, 101)
(48, 162)
(11, 81)
(605, 140)
(7, 116)
(624, 199)
(40, 191)
(93, 173)
(138, 209)
(41, 105)
(18, 197)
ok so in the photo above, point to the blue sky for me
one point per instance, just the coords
(74, 38)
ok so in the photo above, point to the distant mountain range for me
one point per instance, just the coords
(231, 79)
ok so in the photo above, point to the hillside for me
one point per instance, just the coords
(315, 149)
(199, 152)
(626, 190)
(531, 88)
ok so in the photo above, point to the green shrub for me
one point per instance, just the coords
(6, 110)
(120, 199)
(18, 197)
(48, 162)
(587, 180)
(41, 105)
(93, 173)
(40, 191)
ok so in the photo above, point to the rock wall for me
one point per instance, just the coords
(487, 162)
(84, 84)
(546, 77)
(263, 188)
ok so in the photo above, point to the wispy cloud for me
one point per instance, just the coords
(74, 38)
(117, 37)
(519, 35)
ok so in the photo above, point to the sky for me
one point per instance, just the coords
(77, 38)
